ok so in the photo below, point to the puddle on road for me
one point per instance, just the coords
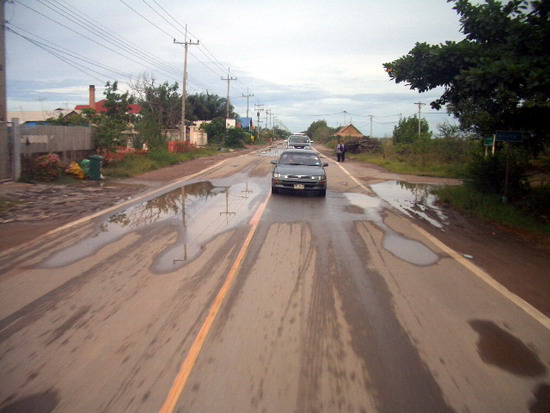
(411, 251)
(500, 348)
(414, 200)
(197, 212)
(273, 152)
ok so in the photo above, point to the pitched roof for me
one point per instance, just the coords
(100, 107)
(349, 130)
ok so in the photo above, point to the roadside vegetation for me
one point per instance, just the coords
(135, 164)
(133, 144)
(493, 80)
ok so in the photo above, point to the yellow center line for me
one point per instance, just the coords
(185, 370)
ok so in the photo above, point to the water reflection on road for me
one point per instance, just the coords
(196, 212)
(414, 200)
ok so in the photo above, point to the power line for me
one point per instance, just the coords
(87, 37)
(63, 50)
(112, 37)
(61, 58)
(146, 19)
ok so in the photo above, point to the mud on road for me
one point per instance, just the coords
(520, 264)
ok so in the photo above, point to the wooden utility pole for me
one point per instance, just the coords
(4, 142)
(229, 79)
(419, 116)
(247, 96)
(183, 131)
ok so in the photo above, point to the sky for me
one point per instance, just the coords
(302, 60)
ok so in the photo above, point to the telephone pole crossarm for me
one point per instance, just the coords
(228, 79)
(247, 96)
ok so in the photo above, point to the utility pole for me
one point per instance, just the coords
(229, 79)
(267, 111)
(371, 116)
(183, 132)
(4, 141)
(419, 115)
(247, 96)
(258, 108)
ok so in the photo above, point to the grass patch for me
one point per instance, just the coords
(426, 168)
(524, 217)
(134, 164)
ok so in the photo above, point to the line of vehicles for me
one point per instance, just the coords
(299, 168)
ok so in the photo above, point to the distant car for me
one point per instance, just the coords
(298, 142)
(299, 170)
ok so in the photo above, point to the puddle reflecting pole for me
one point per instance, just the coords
(227, 212)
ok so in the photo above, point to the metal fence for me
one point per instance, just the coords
(58, 139)
(28, 141)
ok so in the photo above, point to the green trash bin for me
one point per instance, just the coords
(95, 167)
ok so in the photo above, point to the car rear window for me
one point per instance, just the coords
(299, 139)
(299, 159)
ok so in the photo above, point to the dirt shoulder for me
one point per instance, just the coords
(518, 263)
(31, 210)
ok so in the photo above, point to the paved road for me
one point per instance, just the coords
(211, 295)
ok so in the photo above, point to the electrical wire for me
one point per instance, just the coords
(78, 67)
(62, 50)
(89, 38)
(105, 33)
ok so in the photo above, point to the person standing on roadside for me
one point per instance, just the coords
(341, 151)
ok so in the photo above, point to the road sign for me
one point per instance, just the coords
(488, 141)
(509, 136)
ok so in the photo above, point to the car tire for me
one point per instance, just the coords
(274, 190)
(323, 193)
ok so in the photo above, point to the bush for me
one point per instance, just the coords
(235, 138)
(488, 175)
(47, 168)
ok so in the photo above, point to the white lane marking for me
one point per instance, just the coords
(478, 272)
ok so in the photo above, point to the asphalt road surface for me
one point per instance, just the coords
(212, 295)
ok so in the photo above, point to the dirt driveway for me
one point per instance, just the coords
(520, 264)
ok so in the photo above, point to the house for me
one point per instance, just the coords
(195, 135)
(348, 131)
(99, 107)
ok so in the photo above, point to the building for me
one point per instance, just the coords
(195, 135)
(348, 131)
(99, 106)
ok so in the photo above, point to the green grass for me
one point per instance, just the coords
(491, 208)
(427, 168)
(138, 164)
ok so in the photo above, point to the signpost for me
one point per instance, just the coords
(509, 136)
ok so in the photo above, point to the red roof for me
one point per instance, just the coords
(100, 108)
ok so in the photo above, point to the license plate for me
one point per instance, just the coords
(299, 186)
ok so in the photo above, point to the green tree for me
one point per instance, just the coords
(498, 77)
(161, 104)
(406, 131)
(319, 131)
(206, 106)
(109, 126)
(215, 130)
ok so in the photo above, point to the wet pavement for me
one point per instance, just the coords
(339, 305)
(27, 203)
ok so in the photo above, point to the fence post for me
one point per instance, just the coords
(16, 149)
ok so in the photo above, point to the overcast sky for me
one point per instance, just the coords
(304, 60)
